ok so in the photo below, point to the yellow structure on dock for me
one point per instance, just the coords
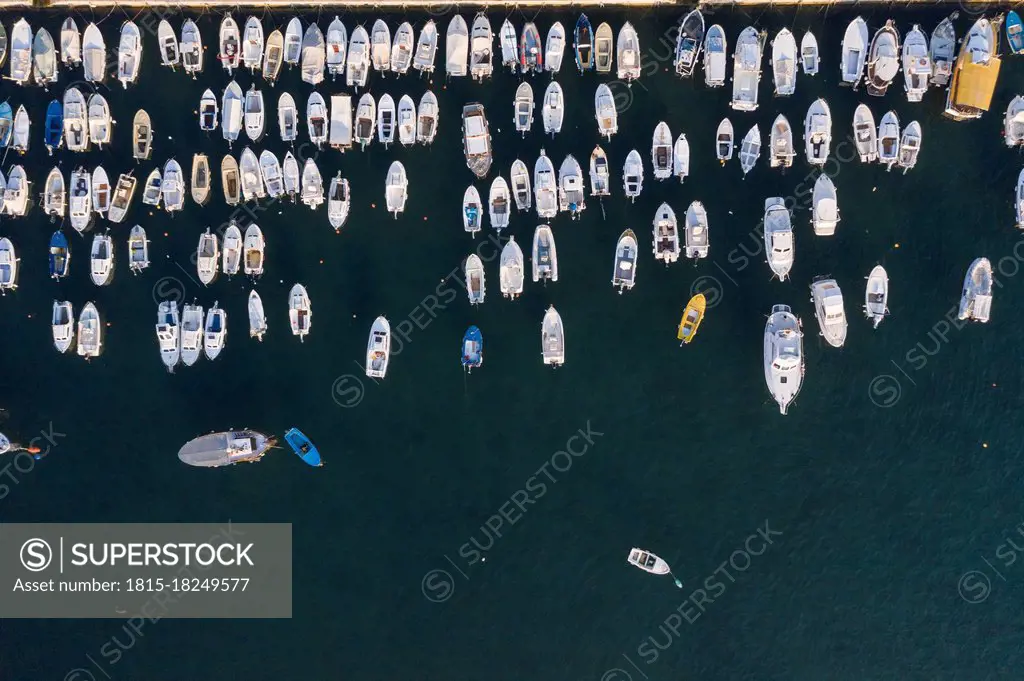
(973, 83)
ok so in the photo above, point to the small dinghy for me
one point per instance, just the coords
(545, 256)
(191, 333)
(287, 118)
(270, 172)
(809, 57)
(209, 113)
(21, 135)
(207, 257)
(571, 195)
(254, 118)
(865, 134)
(168, 333)
(689, 43)
(910, 146)
(627, 53)
(475, 286)
(215, 331)
(976, 300)
(828, 308)
(293, 42)
(357, 66)
(303, 447)
(151, 193)
(917, 64)
(1013, 122)
(724, 141)
(138, 250)
(316, 119)
(511, 270)
(825, 206)
(624, 268)
(123, 194)
(141, 133)
(883, 59)
(101, 260)
(191, 48)
(554, 109)
(53, 133)
(633, 175)
(583, 44)
(60, 255)
(472, 210)
(481, 45)
(44, 59)
(426, 118)
(173, 187)
(90, 332)
(366, 119)
(746, 69)
(312, 188)
(426, 48)
(554, 48)
(402, 48)
(498, 201)
(457, 47)
(129, 54)
(606, 112)
(876, 296)
(545, 186)
(257, 317)
(406, 121)
(696, 231)
(666, 235)
(338, 202)
(784, 63)
(855, 51)
(648, 562)
(781, 140)
(509, 49)
(15, 201)
(1014, 32)
(396, 188)
(100, 191)
(521, 185)
(386, 120)
(313, 55)
(337, 47)
(231, 112)
(290, 171)
(600, 173)
(229, 40)
(94, 54)
(472, 349)
(524, 108)
(603, 44)
(889, 139)
(230, 180)
(62, 324)
(552, 338)
(273, 57)
(70, 43)
(76, 120)
(778, 237)
(100, 123)
(300, 312)
(54, 195)
(167, 42)
(254, 251)
(531, 52)
(250, 176)
(21, 52)
(943, 52)
(380, 47)
(79, 200)
(252, 44)
(750, 149)
(378, 348)
(783, 356)
(661, 151)
(818, 132)
(715, 51)
(693, 315)
(200, 179)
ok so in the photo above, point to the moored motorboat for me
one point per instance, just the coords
(100, 191)
(21, 52)
(523, 106)
(865, 134)
(59, 256)
(624, 268)
(230, 54)
(200, 185)
(138, 250)
(693, 315)
(472, 349)
(314, 55)
(689, 43)
(124, 191)
(90, 332)
(168, 333)
(583, 44)
(976, 299)
(70, 43)
(783, 356)
(255, 251)
(828, 309)
(223, 449)
(209, 113)
(633, 175)
(1020, 200)
(600, 173)
(876, 296)
(553, 110)
(715, 59)
(606, 112)
(273, 57)
(270, 171)
(366, 120)
(357, 66)
(94, 54)
(910, 146)
(151, 194)
(257, 317)
(725, 141)
(173, 187)
(254, 114)
(53, 133)
(697, 238)
(62, 325)
(818, 132)
(554, 48)
(292, 179)
(824, 206)
(746, 69)
(252, 44)
(293, 42)
(396, 188)
(403, 46)
(666, 235)
(101, 260)
(889, 139)
(511, 269)
(472, 210)
(207, 257)
(781, 141)
(338, 202)
(917, 64)
(476, 288)
(1013, 122)
(142, 135)
(509, 51)
(340, 130)
(426, 48)
(531, 51)
(129, 54)
(855, 52)
(337, 47)
(456, 46)
(230, 180)
(545, 255)
(476, 139)
(76, 120)
(1014, 32)
(809, 57)
(215, 331)
(779, 246)
(44, 59)
(498, 201)
(661, 151)
(427, 115)
(287, 117)
(380, 46)
(312, 185)
(80, 200)
(784, 63)
(21, 132)
(9, 266)
(750, 149)
(976, 72)
(552, 338)
(943, 52)
(300, 312)
(545, 187)
(250, 177)
(627, 53)
(406, 121)
(571, 194)
(167, 43)
(54, 194)
(231, 112)
(883, 59)
(191, 48)
(603, 48)
(521, 185)
(378, 348)
(316, 119)
(16, 193)
(100, 123)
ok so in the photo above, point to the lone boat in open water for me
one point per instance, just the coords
(225, 448)
(303, 447)
(648, 562)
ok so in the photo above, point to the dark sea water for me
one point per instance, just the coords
(446, 538)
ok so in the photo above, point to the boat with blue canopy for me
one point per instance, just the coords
(53, 134)
(1015, 32)
(6, 124)
(60, 255)
(472, 349)
(303, 447)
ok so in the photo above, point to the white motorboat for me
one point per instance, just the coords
(828, 308)
(472, 210)
(783, 356)
(201, 180)
(316, 119)
(366, 120)
(1020, 200)
(293, 42)
(80, 200)
(809, 56)
(100, 123)
(167, 42)
(340, 131)
(511, 269)
(476, 139)
(545, 187)
(746, 69)
(600, 173)
(666, 235)
(62, 325)
(509, 46)
(21, 135)
(396, 188)
(251, 178)
(648, 562)
(750, 149)
(917, 64)
(287, 117)
(76, 120)
(101, 260)
(90, 332)
(191, 48)
(337, 47)
(173, 187)
(627, 52)
(943, 52)
(9, 265)
(689, 43)
(456, 46)
(427, 115)
(15, 201)
(229, 40)
(825, 206)
(142, 135)
(100, 191)
(70, 42)
(818, 132)
(855, 51)
(554, 109)
(270, 171)
(406, 121)
(779, 246)
(1013, 122)
(976, 300)
(273, 56)
(498, 201)
(138, 250)
(216, 331)
(661, 151)
(230, 178)
(207, 257)
(715, 50)
(571, 193)
(725, 141)
(254, 118)
(300, 312)
(122, 199)
(426, 48)
(521, 185)
(231, 252)
(784, 63)
(545, 255)
(889, 139)
(910, 146)
(624, 268)
(380, 46)
(606, 113)
(876, 296)
(255, 249)
(357, 67)
(681, 158)
(698, 241)
(312, 191)
(314, 54)
(781, 140)
(386, 120)
(209, 113)
(402, 49)
(481, 47)
(292, 179)
(21, 52)
(865, 134)
(524, 108)
(633, 175)
(552, 338)
(554, 48)
(257, 317)
(54, 194)
(475, 285)
(94, 54)
(129, 54)
(231, 112)
(191, 333)
(338, 202)
(883, 59)
(44, 59)
(168, 333)
(252, 44)
(151, 191)
(378, 348)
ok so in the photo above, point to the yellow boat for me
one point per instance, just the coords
(693, 315)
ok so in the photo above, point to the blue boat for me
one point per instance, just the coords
(1015, 32)
(472, 349)
(584, 44)
(53, 135)
(303, 446)
(60, 255)
(6, 124)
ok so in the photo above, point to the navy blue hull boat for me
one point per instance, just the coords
(584, 44)
(303, 447)
(472, 348)
(53, 135)
(60, 255)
